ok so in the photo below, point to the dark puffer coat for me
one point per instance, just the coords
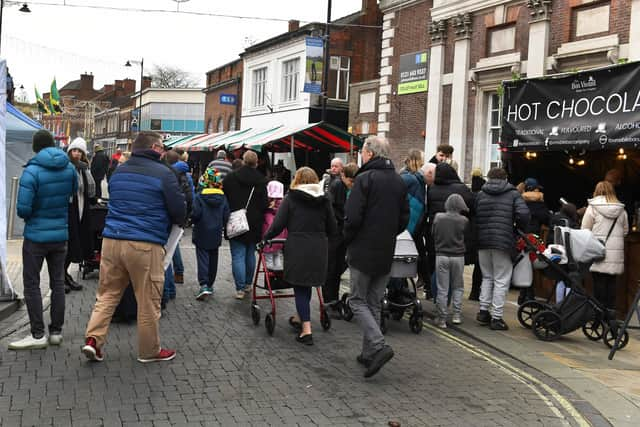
(498, 207)
(446, 183)
(307, 215)
(540, 215)
(377, 211)
(237, 187)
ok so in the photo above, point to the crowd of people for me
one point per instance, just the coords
(349, 219)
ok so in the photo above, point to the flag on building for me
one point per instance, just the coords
(54, 98)
(42, 107)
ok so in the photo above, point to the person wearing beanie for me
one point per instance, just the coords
(80, 245)
(46, 185)
(99, 168)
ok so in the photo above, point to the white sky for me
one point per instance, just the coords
(67, 41)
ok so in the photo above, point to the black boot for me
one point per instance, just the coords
(70, 283)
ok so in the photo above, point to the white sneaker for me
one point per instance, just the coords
(29, 343)
(240, 294)
(456, 319)
(55, 339)
(440, 322)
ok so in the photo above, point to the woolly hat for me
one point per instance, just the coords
(476, 172)
(42, 139)
(531, 184)
(211, 178)
(97, 147)
(221, 154)
(275, 190)
(78, 144)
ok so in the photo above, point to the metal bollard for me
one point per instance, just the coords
(13, 201)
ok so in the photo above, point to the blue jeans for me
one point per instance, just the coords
(177, 262)
(303, 302)
(169, 291)
(243, 263)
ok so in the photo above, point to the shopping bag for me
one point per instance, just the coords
(522, 276)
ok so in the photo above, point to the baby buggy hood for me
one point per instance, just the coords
(585, 247)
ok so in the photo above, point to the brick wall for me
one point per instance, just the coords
(231, 74)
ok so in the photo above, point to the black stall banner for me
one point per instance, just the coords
(596, 109)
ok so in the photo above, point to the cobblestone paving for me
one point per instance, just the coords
(230, 372)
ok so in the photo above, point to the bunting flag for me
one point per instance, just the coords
(54, 98)
(42, 107)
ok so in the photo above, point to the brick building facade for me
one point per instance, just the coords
(221, 82)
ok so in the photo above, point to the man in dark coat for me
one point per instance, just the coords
(337, 250)
(99, 168)
(376, 211)
(246, 188)
(498, 207)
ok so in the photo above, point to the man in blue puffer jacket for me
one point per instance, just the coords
(46, 186)
(144, 202)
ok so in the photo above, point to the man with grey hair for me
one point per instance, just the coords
(376, 211)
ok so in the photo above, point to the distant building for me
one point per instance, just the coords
(172, 111)
(223, 98)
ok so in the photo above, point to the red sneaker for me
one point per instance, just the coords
(163, 355)
(92, 351)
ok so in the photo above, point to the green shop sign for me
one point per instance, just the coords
(413, 73)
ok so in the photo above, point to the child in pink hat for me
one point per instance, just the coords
(273, 254)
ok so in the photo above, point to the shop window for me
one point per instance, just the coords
(156, 124)
(591, 20)
(338, 87)
(367, 102)
(259, 86)
(493, 132)
(502, 39)
(232, 123)
(220, 124)
(290, 77)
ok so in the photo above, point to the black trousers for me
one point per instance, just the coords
(336, 265)
(604, 289)
(33, 255)
(207, 266)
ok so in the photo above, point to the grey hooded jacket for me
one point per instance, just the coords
(449, 228)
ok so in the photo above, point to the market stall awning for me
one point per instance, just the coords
(311, 137)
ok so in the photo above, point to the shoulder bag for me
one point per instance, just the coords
(238, 223)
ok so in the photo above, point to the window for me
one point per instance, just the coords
(591, 20)
(339, 78)
(502, 39)
(493, 132)
(368, 102)
(290, 73)
(156, 124)
(210, 126)
(232, 123)
(259, 86)
(220, 124)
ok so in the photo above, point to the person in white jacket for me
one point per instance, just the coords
(606, 218)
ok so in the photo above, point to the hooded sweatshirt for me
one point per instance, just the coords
(449, 228)
(599, 218)
(210, 215)
(46, 187)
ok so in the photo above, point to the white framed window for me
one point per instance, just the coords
(259, 87)
(339, 69)
(290, 78)
(502, 39)
(220, 127)
(493, 155)
(367, 102)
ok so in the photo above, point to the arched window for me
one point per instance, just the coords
(210, 126)
(232, 123)
(220, 124)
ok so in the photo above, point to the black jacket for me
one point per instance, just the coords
(80, 245)
(338, 195)
(99, 166)
(210, 215)
(540, 215)
(446, 183)
(376, 211)
(237, 187)
(307, 215)
(498, 207)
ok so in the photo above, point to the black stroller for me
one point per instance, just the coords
(577, 310)
(97, 216)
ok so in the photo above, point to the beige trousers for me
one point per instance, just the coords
(140, 263)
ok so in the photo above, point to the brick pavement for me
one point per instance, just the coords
(229, 372)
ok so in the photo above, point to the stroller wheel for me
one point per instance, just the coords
(593, 329)
(270, 323)
(547, 325)
(384, 322)
(415, 323)
(325, 320)
(528, 310)
(610, 339)
(255, 313)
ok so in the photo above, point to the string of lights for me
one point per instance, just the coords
(184, 12)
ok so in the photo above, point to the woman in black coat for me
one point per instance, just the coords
(307, 215)
(80, 244)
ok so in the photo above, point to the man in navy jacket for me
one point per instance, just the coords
(145, 200)
(46, 185)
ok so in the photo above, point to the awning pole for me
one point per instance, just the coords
(351, 147)
(293, 155)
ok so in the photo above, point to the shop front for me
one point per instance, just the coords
(571, 131)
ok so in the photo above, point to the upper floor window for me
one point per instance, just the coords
(259, 86)
(367, 102)
(493, 132)
(290, 77)
(232, 123)
(220, 124)
(339, 78)
(502, 39)
(591, 19)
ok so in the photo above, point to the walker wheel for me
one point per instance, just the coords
(610, 339)
(415, 323)
(325, 320)
(384, 320)
(547, 325)
(270, 323)
(347, 312)
(255, 313)
(528, 310)
(593, 329)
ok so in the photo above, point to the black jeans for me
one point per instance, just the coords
(337, 265)
(604, 289)
(33, 255)
(207, 266)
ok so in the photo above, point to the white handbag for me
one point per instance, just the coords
(522, 276)
(238, 223)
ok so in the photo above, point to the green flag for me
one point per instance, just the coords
(54, 98)
(42, 107)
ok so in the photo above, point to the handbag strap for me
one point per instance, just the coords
(611, 230)
(249, 200)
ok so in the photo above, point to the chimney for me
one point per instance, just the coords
(146, 82)
(294, 25)
(108, 88)
(129, 86)
(86, 81)
(118, 84)
(369, 6)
